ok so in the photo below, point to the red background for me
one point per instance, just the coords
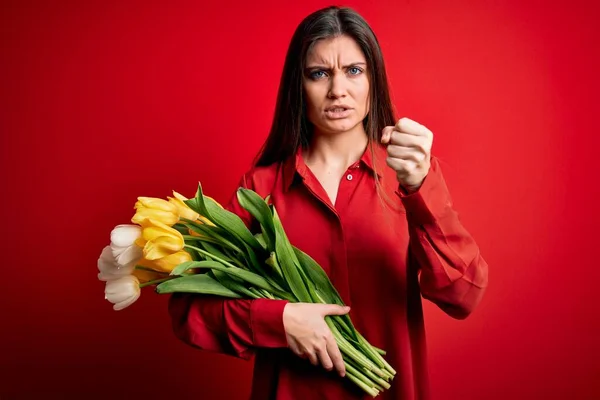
(104, 101)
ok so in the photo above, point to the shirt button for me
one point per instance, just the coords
(349, 177)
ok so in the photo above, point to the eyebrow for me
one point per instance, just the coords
(326, 67)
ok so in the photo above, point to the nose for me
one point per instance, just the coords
(337, 86)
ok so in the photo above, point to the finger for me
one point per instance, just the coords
(312, 356)
(324, 358)
(411, 127)
(386, 134)
(336, 357)
(407, 140)
(405, 153)
(295, 348)
(403, 167)
(334, 309)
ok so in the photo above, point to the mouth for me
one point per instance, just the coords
(338, 112)
(339, 108)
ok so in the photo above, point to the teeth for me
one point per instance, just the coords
(337, 109)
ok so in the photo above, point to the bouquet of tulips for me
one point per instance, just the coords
(196, 246)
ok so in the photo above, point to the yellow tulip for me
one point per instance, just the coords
(156, 209)
(182, 209)
(159, 240)
(179, 199)
(166, 264)
(146, 276)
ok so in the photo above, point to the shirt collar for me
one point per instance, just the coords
(294, 166)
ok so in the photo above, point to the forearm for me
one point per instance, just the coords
(453, 274)
(231, 326)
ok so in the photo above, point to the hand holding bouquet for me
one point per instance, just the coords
(196, 246)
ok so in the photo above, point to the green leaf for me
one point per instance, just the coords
(261, 239)
(274, 264)
(215, 235)
(216, 251)
(318, 277)
(258, 208)
(227, 220)
(324, 288)
(185, 266)
(201, 283)
(232, 284)
(247, 276)
(287, 260)
(197, 203)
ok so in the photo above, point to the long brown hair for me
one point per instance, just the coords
(291, 129)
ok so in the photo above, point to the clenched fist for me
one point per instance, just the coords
(409, 152)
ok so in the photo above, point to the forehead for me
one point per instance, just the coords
(340, 49)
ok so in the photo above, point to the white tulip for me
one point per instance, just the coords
(108, 267)
(122, 244)
(122, 292)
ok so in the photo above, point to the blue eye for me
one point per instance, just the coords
(317, 74)
(355, 71)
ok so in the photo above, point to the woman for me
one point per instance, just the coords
(385, 234)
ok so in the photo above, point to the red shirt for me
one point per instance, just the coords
(380, 260)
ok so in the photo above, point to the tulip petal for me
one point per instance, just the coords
(146, 276)
(124, 304)
(122, 292)
(166, 217)
(155, 203)
(183, 210)
(179, 196)
(152, 229)
(124, 235)
(116, 250)
(130, 256)
(161, 247)
(168, 263)
(108, 267)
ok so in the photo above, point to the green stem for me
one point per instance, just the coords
(264, 293)
(273, 290)
(377, 355)
(200, 239)
(256, 292)
(372, 354)
(369, 389)
(154, 282)
(347, 348)
(382, 383)
(341, 319)
(354, 371)
(212, 256)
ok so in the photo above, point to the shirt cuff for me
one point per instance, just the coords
(431, 201)
(266, 316)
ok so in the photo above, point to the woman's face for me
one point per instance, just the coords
(336, 85)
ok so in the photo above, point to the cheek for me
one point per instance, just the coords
(311, 97)
(363, 95)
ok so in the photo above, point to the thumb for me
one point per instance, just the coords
(334, 309)
(386, 134)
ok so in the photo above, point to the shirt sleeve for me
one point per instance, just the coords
(230, 326)
(453, 274)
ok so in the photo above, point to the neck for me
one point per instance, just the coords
(336, 150)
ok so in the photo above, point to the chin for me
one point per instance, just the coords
(340, 126)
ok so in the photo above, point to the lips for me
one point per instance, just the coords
(338, 111)
(338, 108)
